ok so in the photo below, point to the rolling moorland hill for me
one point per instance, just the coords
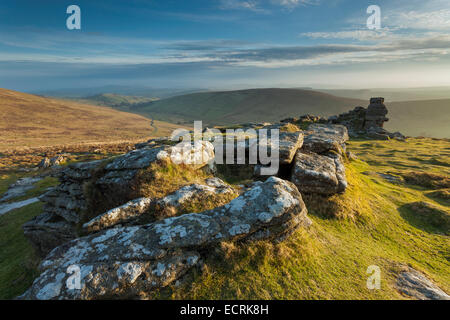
(429, 118)
(253, 105)
(29, 121)
(116, 101)
(413, 118)
(393, 94)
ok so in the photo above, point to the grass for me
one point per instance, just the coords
(365, 226)
(330, 260)
(17, 260)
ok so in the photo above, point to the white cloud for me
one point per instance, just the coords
(438, 20)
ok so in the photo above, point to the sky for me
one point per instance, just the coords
(224, 44)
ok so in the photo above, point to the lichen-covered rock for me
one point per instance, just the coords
(122, 214)
(68, 200)
(215, 190)
(319, 174)
(323, 138)
(414, 284)
(133, 261)
(290, 142)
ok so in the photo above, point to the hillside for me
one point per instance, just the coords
(429, 118)
(253, 105)
(29, 121)
(116, 101)
(393, 94)
(378, 221)
(414, 118)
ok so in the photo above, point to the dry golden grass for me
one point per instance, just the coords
(31, 121)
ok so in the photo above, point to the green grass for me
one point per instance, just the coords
(17, 260)
(329, 261)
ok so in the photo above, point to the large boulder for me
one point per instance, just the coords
(323, 138)
(319, 174)
(113, 180)
(171, 205)
(131, 262)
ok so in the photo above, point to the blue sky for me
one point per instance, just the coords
(224, 44)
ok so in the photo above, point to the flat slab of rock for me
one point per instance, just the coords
(19, 188)
(214, 189)
(289, 144)
(7, 207)
(129, 262)
(119, 215)
(319, 174)
(416, 285)
(323, 138)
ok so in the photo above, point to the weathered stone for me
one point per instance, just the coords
(122, 214)
(48, 231)
(173, 203)
(370, 121)
(289, 144)
(68, 199)
(126, 262)
(58, 160)
(45, 163)
(414, 284)
(376, 114)
(322, 138)
(319, 174)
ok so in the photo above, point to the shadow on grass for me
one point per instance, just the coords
(426, 217)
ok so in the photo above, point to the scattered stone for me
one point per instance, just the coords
(130, 262)
(386, 176)
(414, 284)
(57, 161)
(319, 174)
(48, 163)
(45, 163)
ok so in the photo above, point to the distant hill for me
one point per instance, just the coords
(393, 94)
(414, 118)
(116, 101)
(253, 105)
(429, 118)
(29, 120)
